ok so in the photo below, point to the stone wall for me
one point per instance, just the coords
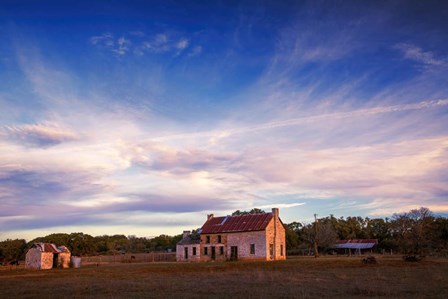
(35, 259)
(180, 253)
(46, 259)
(32, 259)
(275, 235)
(214, 242)
(243, 242)
(64, 260)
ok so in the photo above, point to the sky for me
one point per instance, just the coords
(142, 117)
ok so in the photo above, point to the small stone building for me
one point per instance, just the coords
(188, 249)
(47, 256)
(243, 237)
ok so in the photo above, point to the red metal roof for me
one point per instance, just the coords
(242, 223)
(50, 247)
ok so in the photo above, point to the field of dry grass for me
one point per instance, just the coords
(304, 277)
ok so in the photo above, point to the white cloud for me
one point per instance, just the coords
(282, 205)
(123, 46)
(182, 44)
(106, 39)
(415, 53)
(139, 43)
(215, 135)
(158, 44)
(40, 134)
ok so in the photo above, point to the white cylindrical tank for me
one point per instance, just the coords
(76, 261)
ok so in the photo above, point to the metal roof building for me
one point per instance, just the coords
(356, 244)
(47, 256)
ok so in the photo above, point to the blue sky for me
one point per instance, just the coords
(140, 117)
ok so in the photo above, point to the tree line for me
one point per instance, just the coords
(81, 244)
(417, 231)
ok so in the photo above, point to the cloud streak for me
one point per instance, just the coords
(415, 53)
(39, 134)
(139, 43)
(310, 119)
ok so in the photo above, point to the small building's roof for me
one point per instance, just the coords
(190, 240)
(50, 247)
(241, 223)
(356, 243)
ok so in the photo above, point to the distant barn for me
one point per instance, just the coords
(47, 256)
(355, 245)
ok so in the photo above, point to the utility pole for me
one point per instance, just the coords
(316, 229)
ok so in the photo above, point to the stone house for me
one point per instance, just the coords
(47, 256)
(188, 249)
(243, 237)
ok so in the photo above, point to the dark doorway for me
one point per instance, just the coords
(234, 253)
(213, 252)
(186, 253)
(55, 260)
(271, 251)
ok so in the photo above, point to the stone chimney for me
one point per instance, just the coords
(186, 233)
(275, 214)
(209, 216)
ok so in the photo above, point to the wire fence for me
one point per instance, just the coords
(131, 258)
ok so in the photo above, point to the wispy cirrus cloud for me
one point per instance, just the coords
(310, 119)
(44, 134)
(161, 157)
(139, 43)
(123, 46)
(181, 45)
(158, 44)
(119, 45)
(105, 39)
(25, 188)
(417, 54)
(282, 205)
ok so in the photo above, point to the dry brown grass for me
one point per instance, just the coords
(336, 277)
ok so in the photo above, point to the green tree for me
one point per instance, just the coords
(326, 234)
(292, 235)
(413, 230)
(81, 244)
(439, 236)
(253, 211)
(136, 245)
(13, 249)
(101, 244)
(57, 239)
(164, 243)
(380, 229)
